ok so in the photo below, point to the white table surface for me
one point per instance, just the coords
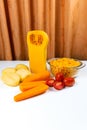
(54, 110)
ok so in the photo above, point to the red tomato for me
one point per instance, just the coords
(58, 85)
(59, 77)
(69, 81)
(50, 82)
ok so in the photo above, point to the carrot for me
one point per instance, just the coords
(31, 92)
(37, 77)
(28, 85)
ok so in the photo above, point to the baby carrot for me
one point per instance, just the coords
(37, 77)
(28, 85)
(31, 92)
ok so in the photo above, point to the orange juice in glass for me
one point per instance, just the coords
(37, 42)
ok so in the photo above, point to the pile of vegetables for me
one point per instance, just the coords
(36, 84)
(33, 84)
(37, 79)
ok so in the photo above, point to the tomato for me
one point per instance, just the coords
(50, 82)
(59, 77)
(58, 85)
(69, 81)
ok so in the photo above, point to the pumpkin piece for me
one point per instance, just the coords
(37, 41)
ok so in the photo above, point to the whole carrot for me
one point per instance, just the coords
(28, 85)
(31, 92)
(37, 77)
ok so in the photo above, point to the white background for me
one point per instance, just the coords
(54, 110)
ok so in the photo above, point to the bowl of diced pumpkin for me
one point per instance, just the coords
(68, 66)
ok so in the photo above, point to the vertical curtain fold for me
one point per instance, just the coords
(59, 28)
(5, 46)
(75, 29)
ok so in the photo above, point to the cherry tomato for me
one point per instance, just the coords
(58, 85)
(69, 81)
(59, 77)
(50, 82)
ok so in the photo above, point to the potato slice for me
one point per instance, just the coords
(11, 79)
(23, 73)
(21, 66)
(8, 70)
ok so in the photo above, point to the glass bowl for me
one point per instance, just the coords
(68, 66)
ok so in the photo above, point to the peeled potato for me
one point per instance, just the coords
(8, 70)
(23, 73)
(21, 66)
(11, 79)
(13, 76)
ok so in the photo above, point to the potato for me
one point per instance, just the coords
(8, 70)
(21, 66)
(11, 79)
(13, 76)
(23, 73)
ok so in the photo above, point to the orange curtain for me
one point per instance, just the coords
(65, 22)
(75, 29)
